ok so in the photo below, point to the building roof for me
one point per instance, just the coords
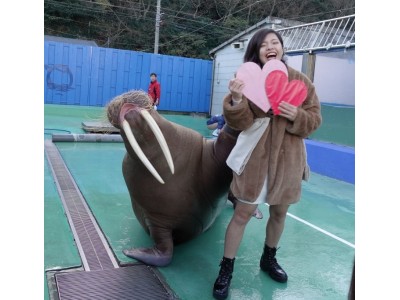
(69, 41)
(301, 37)
(270, 22)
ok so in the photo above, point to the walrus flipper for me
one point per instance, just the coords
(161, 254)
(149, 256)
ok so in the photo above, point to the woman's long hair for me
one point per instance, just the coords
(253, 48)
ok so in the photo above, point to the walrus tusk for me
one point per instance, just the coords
(138, 151)
(160, 138)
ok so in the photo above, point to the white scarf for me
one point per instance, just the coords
(245, 144)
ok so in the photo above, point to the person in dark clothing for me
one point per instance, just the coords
(216, 123)
(154, 90)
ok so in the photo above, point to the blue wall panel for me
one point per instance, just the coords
(331, 160)
(92, 76)
(166, 89)
(66, 70)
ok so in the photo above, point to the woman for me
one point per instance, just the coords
(276, 166)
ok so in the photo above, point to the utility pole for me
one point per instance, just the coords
(157, 27)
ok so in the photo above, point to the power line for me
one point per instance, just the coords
(189, 23)
(71, 5)
(177, 25)
(173, 40)
(323, 13)
(100, 26)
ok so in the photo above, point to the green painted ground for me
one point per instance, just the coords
(338, 124)
(317, 261)
(326, 203)
(60, 249)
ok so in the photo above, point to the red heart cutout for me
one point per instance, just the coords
(254, 81)
(278, 89)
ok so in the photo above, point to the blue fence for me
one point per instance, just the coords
(331, 160)
(92, 76)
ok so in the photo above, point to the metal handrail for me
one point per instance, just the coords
(322, 35)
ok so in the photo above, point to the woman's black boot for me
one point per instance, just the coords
(269, 264)
(223, 281)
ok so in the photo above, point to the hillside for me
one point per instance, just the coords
(188, 28)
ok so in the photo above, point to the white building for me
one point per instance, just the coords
(323, 50)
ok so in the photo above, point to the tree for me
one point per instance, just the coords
(189, 28)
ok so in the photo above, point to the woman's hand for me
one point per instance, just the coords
(236, 87)
(287, 110)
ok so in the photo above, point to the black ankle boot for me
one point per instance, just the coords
(269, 264)
(223, 281)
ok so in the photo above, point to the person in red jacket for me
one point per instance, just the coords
(154, 90)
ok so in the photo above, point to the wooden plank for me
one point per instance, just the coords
(99, 127)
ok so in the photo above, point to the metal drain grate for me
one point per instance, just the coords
(130, 283)
(93, 248)
(102, 278)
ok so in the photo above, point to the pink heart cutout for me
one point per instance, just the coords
(254, 79)
(278, 89)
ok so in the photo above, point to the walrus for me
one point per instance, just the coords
(177, 179)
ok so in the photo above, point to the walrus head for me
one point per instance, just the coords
(140, 102)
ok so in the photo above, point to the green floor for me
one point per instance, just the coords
(316, 248)
(338, 125)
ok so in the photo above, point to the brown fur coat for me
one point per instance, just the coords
(280, 154)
